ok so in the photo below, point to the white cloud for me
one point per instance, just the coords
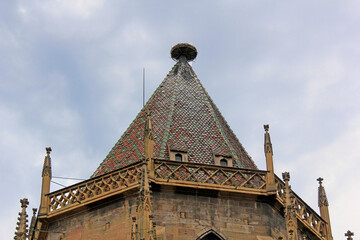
(136, 34)
(321, 76)
(336, 163)
(74, 8)
(71, 78)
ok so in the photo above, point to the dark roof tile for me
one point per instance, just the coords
(185, 119)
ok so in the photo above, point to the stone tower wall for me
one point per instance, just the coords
(180, 214)
(109, 220)
(184, 213)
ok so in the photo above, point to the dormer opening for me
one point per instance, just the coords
(178, 157)
(224, 162)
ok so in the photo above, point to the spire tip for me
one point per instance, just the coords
(48, 150)
(24, 202)
(320, 179)
(349, 235)
(286, 176)
(266, 127)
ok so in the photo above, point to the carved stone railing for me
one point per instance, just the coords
(94, 189)
(280, 190)
(209, 176)
(305, 214)
(184, 174)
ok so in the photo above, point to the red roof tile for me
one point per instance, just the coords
(185, 119)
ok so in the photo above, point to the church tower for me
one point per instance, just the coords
(179, 173)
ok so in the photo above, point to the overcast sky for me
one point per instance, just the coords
(71, 78)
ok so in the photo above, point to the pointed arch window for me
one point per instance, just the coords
(210, 235)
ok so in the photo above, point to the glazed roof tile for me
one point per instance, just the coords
(184, 119)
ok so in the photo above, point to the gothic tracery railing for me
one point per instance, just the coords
(183, 174)
(95, 188)
(209, 175)
(304, 213)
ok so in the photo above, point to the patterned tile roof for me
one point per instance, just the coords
(184, 119)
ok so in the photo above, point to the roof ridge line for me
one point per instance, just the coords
(185, 116)
(165, 138)
(218, 123)
(207, 100)
(242, 147)
(131, 124)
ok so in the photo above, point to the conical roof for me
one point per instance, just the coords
(184, 119)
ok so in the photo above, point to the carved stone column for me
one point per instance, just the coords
(32, 223)
(270, 175)
(324, 208)
(21, 229)
(290, 213)
(134, 230)
(143, 227)
(45, 188)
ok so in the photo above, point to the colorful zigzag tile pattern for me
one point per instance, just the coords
(184, 119)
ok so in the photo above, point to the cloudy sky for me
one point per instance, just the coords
(71, 78)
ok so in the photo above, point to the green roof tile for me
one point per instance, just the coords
(184, 118)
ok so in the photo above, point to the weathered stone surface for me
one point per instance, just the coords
(111, 220)
(180, 214)
(235, 217)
